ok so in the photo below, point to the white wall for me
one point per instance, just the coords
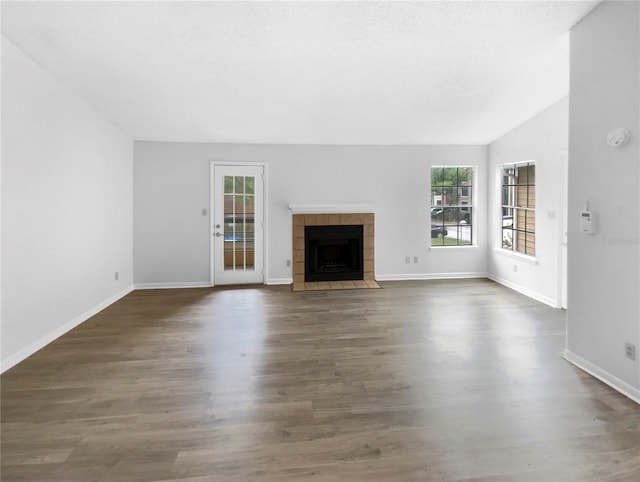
(541, 139)
(604, 268)
(66, 208)
(171, 187)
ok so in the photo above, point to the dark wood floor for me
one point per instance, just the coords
(427, 381)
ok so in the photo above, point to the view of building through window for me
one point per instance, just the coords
(518, 207)
(451, 206)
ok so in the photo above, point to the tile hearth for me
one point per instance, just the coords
(339, 285)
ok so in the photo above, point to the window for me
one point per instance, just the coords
(519, 208)
(451, 206)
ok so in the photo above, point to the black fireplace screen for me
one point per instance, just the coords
(333, 253)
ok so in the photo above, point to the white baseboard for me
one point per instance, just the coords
(603, 375)
(201, 284)
(428, 276)
(58, 332)
(279, 281)
(164, 286)
(525, 291)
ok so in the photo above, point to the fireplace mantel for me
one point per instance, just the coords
(332, 208)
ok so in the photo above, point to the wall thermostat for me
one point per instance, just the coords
(587, 222)
(618, 137)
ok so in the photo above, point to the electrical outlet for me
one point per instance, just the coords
(204, 211)
(407, 260)
(117, 276)
(630, 351)
(415, 259)
(515, 268)
(288, 263)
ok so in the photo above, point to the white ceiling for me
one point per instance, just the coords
(306, 72)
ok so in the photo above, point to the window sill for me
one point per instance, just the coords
(453, 248)
(520, 257)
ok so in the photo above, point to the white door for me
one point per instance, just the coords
(237, 230)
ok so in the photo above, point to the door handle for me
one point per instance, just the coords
(217, 235)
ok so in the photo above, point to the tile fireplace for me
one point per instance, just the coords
(332, 247)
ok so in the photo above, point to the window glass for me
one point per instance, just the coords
(518, 207)
(451, 210)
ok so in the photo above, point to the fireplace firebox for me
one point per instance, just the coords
(333, 253)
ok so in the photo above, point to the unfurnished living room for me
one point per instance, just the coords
(328, 241)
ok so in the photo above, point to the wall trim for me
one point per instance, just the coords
(525, 291)
(43, 341)
(279, 281)
(604, 376)
(399, 277)
(163, 286)
(428, 276)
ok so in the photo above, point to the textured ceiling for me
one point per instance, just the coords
(306, 72)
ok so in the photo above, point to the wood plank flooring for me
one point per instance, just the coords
(458, 380)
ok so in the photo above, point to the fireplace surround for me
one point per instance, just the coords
(363, 221)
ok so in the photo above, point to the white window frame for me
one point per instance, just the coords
(472, 205)
(513, 251)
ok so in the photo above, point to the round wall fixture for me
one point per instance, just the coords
(618, 137)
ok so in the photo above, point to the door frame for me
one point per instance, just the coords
(265, 213)
(563, 247)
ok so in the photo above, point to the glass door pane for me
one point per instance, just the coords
(239, 229)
